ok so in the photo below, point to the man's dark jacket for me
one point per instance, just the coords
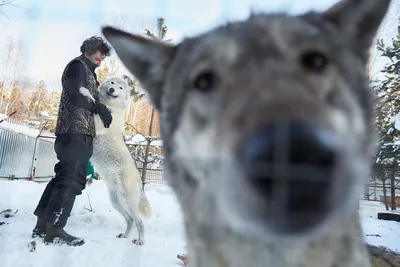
(75, 114)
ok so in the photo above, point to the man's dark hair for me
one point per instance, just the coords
(95, 43)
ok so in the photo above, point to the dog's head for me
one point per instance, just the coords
(114, 92)
(267, 123)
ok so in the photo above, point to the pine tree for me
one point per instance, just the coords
(388, 116)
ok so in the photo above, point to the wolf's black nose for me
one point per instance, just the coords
(291, 164)
(294, 144)
(111, 90)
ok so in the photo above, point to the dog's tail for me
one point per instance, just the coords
(144, 206)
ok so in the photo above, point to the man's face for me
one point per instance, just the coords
(96, 58)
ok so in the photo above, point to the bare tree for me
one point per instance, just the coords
(110, 67)
(16, 69)
(9, 54)
(4, 3)
(160, 34)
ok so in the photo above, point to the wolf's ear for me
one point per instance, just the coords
(358, 19)
(146, 59)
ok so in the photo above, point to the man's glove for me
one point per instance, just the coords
(104, 114)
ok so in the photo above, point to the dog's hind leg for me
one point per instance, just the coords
(118, 206)
(129, 225)
(140, 227)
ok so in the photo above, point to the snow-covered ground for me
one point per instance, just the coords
(164, 231)
(379, 232)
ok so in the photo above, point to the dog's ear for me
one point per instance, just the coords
(359, 20)
(126, 78)
(146, 59)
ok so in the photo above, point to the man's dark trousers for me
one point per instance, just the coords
(73, 152)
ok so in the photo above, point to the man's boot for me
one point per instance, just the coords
(57, 235)
(40, 228)
(56, 215)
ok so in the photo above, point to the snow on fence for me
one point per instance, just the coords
(25, 152)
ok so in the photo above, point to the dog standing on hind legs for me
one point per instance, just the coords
(112, 160)
(278, 119)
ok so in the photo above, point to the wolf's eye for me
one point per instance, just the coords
(205, 81)
(121, 88)
(112, 82)
(314, 61)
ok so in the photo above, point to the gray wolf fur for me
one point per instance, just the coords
(249, 196)
(112, 160)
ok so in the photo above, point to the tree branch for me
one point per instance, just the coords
(6, 2)
(134, 128)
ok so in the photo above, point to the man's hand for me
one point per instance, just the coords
(104, 114)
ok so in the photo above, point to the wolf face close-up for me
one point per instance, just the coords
(268, 132)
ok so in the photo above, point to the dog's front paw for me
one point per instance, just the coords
(138, 242)
(184, 259)
(121, 236)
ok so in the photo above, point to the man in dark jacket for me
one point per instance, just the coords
(73, 145)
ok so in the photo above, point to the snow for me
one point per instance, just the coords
(396, 121)
(164, 231)
(139, 139)
(164, 235)
(379, 232)
(44, 114)
(85, 92)
(22, 129)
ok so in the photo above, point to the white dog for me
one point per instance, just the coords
(112, 160)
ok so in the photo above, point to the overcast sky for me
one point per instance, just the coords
(53, 30)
